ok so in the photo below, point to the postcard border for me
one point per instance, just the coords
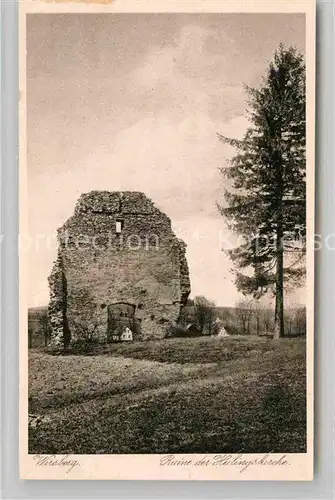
(147, 466)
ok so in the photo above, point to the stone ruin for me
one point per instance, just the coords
(119, 265)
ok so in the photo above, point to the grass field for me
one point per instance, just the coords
(202, 395)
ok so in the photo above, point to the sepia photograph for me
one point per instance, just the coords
(167, 231)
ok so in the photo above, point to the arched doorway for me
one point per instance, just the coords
(120, 316)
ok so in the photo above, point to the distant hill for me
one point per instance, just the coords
(37, 310)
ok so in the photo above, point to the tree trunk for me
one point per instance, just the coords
(279, 314)
(279, 310)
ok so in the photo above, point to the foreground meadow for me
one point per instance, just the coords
(203, 395)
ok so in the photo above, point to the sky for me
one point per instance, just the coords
(134, 102)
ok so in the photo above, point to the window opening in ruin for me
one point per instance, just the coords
(118, 226)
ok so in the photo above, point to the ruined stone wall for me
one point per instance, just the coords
(60, 334)
(144, 265)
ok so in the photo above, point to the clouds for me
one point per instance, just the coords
(186, 75)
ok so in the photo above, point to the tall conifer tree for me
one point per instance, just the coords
(266, 198)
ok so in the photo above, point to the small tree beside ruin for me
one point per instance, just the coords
(205, 313)
(85, 326)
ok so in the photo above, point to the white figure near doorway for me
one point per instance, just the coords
(127, 334)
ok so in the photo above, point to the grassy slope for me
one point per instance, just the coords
(182, 395)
